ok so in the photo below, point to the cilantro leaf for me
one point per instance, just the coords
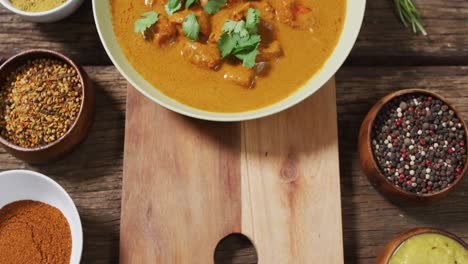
(241, 30)
(213, 6)
(191, 27)
(247, 44)
(252, 19)
(248, 58)
(238, 27)
(226, 44)
(146, 21)
(173, 6)
(189, 3)
(240, 38)
(229, 26)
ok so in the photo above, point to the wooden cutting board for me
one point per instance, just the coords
(189, 183)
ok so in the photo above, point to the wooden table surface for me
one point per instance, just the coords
(386, 58)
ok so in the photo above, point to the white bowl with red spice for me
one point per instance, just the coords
(52, 15)
(20, 185)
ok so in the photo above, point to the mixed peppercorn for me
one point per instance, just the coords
(39, 102)
(419, 143)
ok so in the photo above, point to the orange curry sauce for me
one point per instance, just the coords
(307, 32)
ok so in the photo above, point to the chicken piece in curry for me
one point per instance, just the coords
(228, 55)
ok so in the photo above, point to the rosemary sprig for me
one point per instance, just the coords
(410, 15)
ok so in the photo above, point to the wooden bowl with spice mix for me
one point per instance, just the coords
(424, 245)
(46, 105)
(412, 146)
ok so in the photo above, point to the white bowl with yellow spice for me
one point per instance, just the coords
(42, 11)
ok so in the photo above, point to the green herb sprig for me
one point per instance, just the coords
(410, 16)
(189, 3)
(213, 6)
(240, 38)
(191, 27)
(173, 6)
(146, 21)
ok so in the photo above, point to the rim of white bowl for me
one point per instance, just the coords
(7, 4)
(349, 35)
(69, 199)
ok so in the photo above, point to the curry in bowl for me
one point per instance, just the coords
(228, 55)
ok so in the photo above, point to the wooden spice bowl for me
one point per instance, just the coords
(387, 252)
(371, 168)
(79, 127)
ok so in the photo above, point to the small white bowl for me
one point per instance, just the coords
(18, 185)
(52, 15)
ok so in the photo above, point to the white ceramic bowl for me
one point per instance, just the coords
(52, 15)
(29, 185)
(352, 26)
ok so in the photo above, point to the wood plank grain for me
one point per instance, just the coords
(181, 185)
(93, 173)
(189, 183)
(75, 36)
(382, 41)
(290, 183)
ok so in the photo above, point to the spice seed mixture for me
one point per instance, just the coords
(419, 143)
(39, 102)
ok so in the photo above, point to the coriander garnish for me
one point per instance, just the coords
(213, 6)
(189, 3)
(252, 19)
(410, 16)
(173, 6)
(148, 19)
(191, 27)
(240, 38)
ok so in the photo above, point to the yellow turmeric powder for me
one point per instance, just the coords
(36, 5)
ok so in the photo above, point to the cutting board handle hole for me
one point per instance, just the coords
(232, 246)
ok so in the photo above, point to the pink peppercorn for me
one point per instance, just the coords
(429, 98)
(462, 143)
(450, 151)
